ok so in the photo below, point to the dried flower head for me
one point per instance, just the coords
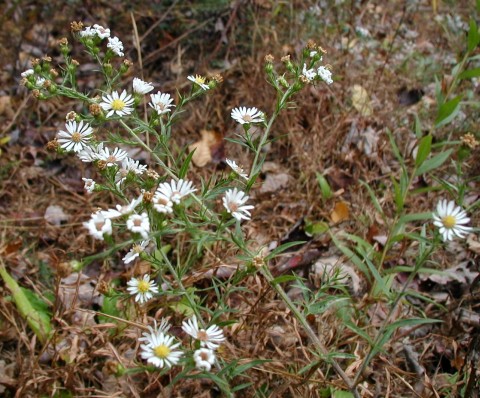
(76, 26)
(269, 58)
(52, 145)
(75, 62)
(53, 72)
(95, 109)
(35, 61)
(470, 140)
(286, 58)
(71, 116)
(311, 45)
(63, 41)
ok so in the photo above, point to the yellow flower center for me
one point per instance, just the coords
(137, 249)
(449, 221)
(143, 286)
(117, 105)
(199, 79)
(76, 137)
(162, 351)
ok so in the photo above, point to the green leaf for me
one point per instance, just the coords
(473, 37)
(316, 228)
(470, 73)
(448, 111)
(418, 127)
(434, 162)
(183, 171)
(373, 198)
(282, 248)
(324, 187)
(424, 148)
(342, 394)
(38, 320)
(283, 279)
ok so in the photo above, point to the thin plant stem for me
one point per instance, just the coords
(311, 334)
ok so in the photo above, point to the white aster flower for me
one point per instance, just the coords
(234, 201)
(142, 288)
(309, 74)
(161, 102)
(98, 226)
(210, 338)
(451, 220)
(141, 87)
(176, 190)
(164, 327)
(129, 165)
(111, 158)
(89, 154)
(89, 185)
(120, 211)
(204, 359)
(245, 115)
(313, 53)
(88, 32)
(116, 46)
(27, 73)
(199, 80)
(40, 80)
(236, 168)
(117, 104)
(135, 251)
(325, 74)
(139, 223)
(76, 137)
(162, 203)
(160, 349)
(101, 31)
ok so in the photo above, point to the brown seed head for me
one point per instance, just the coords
(269, 58)
(218, 78)
(76, 26)
(470, 140)
(46, 58)
(71, 116)
(311, 45)
(95, 109)
(147, 197)
(63, 41)
(36, 93)
(102, 164)
(35, 61)
(286, 58)
(53, 72)
(52, 145)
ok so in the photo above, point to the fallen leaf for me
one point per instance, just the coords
(274, 182)
(209, 148)
(340, 212)
(55, 215)
(361, 100)
(6, 106)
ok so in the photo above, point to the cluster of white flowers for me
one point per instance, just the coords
(95, 30)
(322, 72)
(161, 350)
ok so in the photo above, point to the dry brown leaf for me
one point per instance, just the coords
(340, 212)
(361, 100)
(209, 148)
(6, 106)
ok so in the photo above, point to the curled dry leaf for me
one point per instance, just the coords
(210, 148)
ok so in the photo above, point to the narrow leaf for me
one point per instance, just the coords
(473, 37)
(470, 73)
(448, 111)
(434, 162)
(424, 148)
